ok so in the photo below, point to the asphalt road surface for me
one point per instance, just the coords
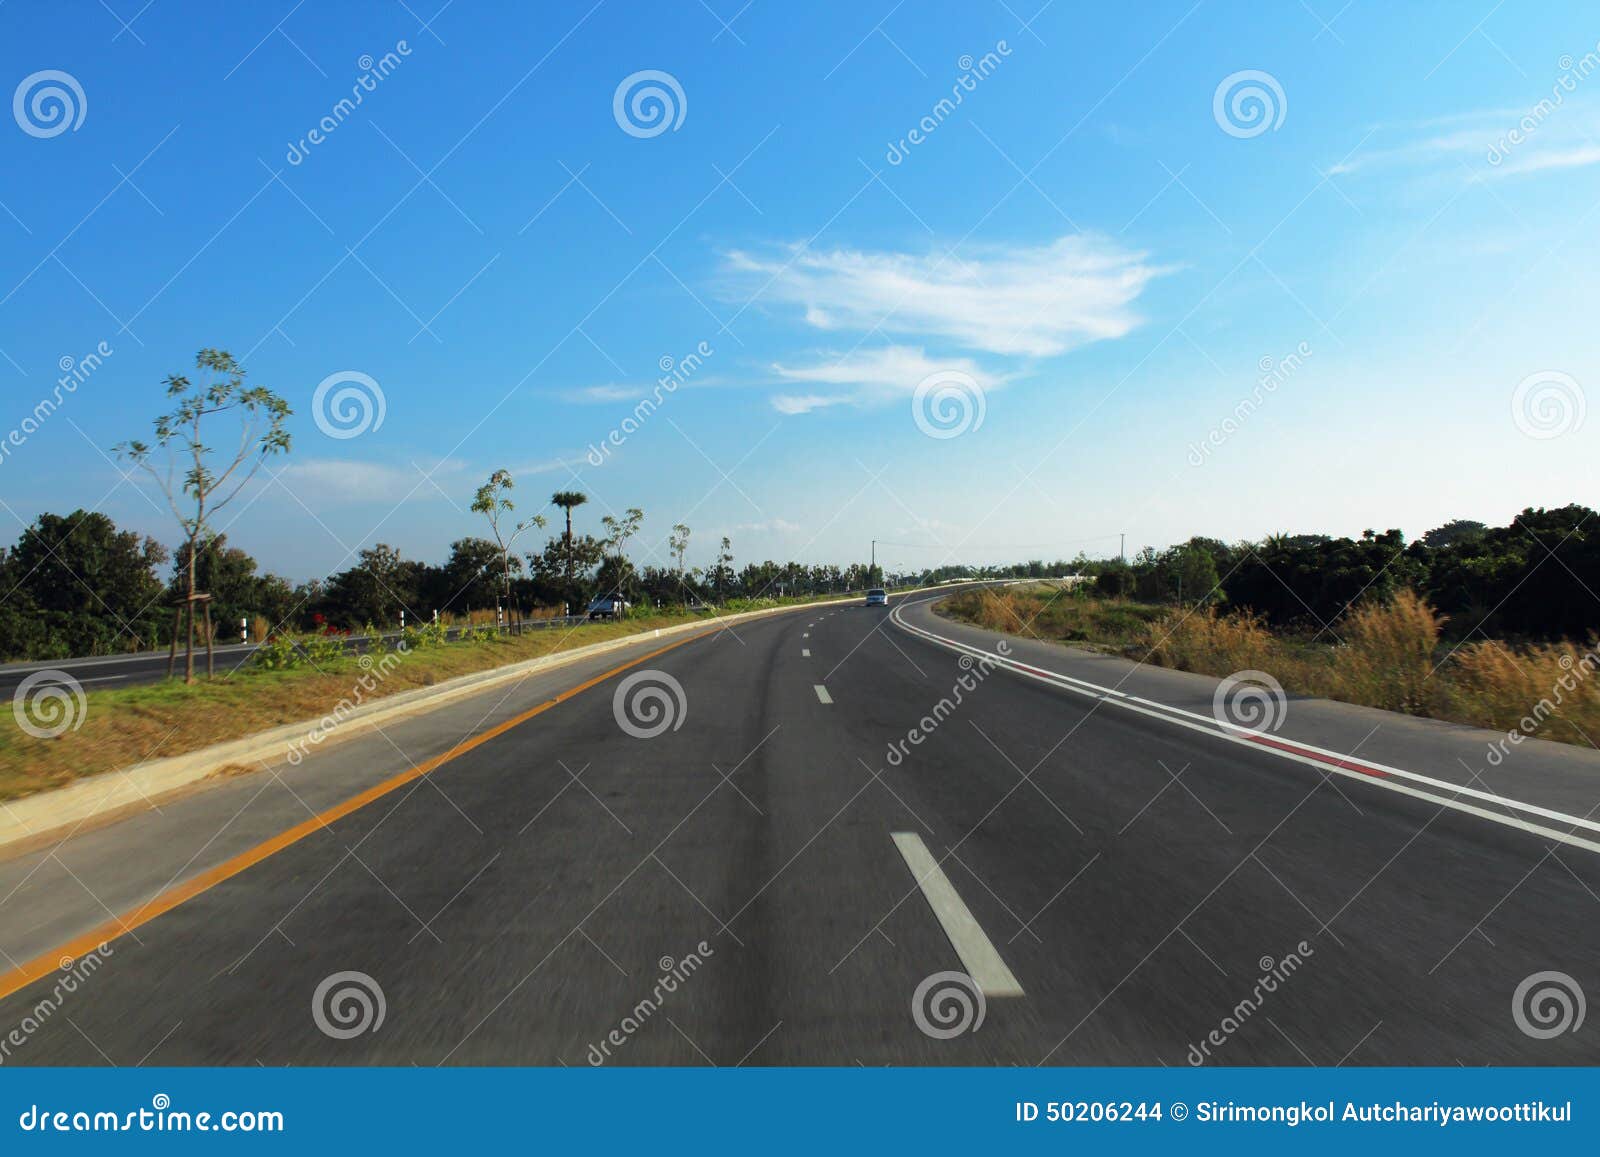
(764, 883)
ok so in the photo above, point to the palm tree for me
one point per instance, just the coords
(567, 499)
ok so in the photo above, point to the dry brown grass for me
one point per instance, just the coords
(1388, 655)
(1549, 691)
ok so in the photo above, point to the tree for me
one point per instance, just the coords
(229, 576)
(568, 500)
(678, 543)
(471, 575)
(262, 416)
(620, 530)
(491, 501)
(1455, 531)
(722, 572)
(562, 558)
(375, 590)
(76, 585)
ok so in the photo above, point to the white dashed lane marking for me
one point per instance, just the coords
(977, 952)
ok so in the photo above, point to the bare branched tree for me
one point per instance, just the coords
(204, 489)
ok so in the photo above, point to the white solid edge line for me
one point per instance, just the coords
(822, 693)
(977, 952)
(1208, 726)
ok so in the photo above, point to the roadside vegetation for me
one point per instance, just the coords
(299, 679)
(1390, 653)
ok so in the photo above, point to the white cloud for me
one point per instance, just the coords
(319, 481)
(606, 393)
(771, 525)
(1033, 301)
(869, 377)
(1486, 143)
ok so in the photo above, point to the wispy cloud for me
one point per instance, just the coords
(610, 392)
(320, 481)
(1555, 133)
(869, 377)
(1032, 301)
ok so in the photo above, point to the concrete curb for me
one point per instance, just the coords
(34, 818)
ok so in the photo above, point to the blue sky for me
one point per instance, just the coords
(1094, 249)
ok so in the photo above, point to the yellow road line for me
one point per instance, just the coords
(42, 965)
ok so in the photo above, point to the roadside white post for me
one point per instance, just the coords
(244, 630)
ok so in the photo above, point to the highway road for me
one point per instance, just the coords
(819, 831)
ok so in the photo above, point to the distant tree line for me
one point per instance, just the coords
(74, 584)
(1536, 578)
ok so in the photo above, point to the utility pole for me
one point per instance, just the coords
(1123, 550)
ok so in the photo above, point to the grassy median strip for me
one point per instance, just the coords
(1389, 655)
(128, 726)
